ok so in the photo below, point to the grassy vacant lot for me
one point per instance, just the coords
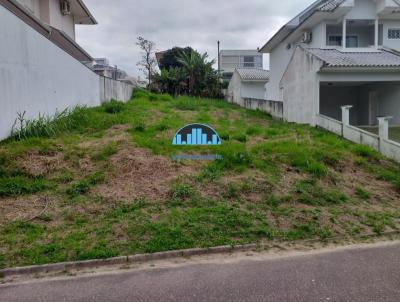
(100, 182)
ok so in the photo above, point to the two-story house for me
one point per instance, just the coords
(335, 53)
(229, 60)
(60, 14)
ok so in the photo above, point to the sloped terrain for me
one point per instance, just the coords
(106, 185)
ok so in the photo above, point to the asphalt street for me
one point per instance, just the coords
(362, 274)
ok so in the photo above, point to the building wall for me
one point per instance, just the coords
(234, 90)
(36, 76)
(363, 9)
(253, 90)
(57, 20)
(300, 88)
(279, 60)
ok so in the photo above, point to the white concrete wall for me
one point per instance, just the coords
(36, 76)
(234, 90)
(300, 88)
(387, 147)
(64, 23)
(253, 90)
(279, 60)
(363, 9)
(391, 43)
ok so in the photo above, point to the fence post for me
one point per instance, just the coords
(384, 127)
(345, 117)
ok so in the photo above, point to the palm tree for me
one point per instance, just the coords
(198, 70)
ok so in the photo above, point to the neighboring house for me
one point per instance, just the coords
(42, 69)
(229, 60)
(102, 67)
(247, 84)
(335, 53)
(60, 14)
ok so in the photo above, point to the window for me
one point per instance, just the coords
(335, 41)
(360, 33)
(334, 34)
(394, 33)
(248, 61)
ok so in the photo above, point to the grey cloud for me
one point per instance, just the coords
(237, 24)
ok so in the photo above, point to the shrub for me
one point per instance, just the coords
(139, 127)
(85, 184)
(113, 106)
(240, 138)
(19, 185)
(181, 191)
(362, 194)
(365, 151)
(140, 93)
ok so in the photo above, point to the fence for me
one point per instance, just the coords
(271, 107)
(380, 142)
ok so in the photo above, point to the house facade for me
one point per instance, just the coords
(247, 84)
(229, 60)
(62, 15)
(42, 69)
(336, 53)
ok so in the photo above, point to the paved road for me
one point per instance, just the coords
(367, 274)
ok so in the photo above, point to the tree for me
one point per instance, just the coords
(148, 61)
(170, 57)
(200, 72)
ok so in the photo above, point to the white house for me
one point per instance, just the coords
(60, 14)
(229, 60)
(42, 68)
(335, 53)
(247, 84)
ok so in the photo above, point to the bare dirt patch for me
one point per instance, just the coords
(36, 164)
(139, 174)
(353, 177)
(116, 134)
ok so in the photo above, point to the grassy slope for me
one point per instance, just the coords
(276, 181)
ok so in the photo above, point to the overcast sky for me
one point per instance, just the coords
(238, 24)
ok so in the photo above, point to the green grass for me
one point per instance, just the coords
(275, 181)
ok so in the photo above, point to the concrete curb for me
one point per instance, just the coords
(65, 266)
(227, 249)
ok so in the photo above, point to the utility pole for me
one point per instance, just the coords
(219, 59)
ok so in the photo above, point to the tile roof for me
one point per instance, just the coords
(336, 58)
(330, 6)
(253, 74)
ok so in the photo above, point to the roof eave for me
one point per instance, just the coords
(333, 69)
(90, 17)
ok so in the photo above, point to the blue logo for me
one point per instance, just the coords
(196, 134)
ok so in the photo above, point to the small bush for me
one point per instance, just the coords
(113, 107)
(19, 185)
(165, 98)
(139, 127)
(140, 93)
(106, 152)
(253, 131)
(366, 152)
(362, 194)
(181, 191)
(225, 137)
(240, 138)
(85, 184)
(310, 193)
